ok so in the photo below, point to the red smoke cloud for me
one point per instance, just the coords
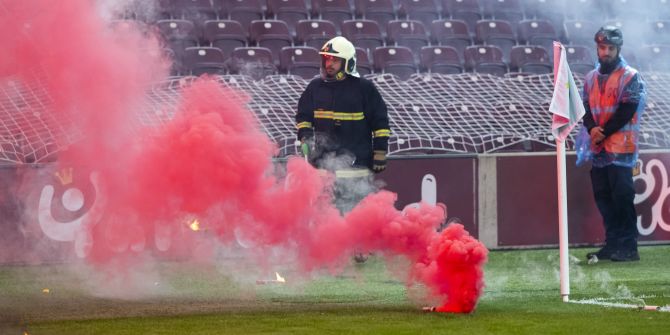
(212, 162)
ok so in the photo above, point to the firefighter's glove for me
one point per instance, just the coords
(379, 161)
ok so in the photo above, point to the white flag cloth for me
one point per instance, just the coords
(566, 104)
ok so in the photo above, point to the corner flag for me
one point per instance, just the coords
(566, 104)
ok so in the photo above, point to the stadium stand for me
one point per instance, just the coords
(243, 11)
(425, 11)
(381, 11)
(579, 31)
(364, 34)
(485, 59)
(397, 60)
(300, 61)
(199, 60)
(407, 33)
(332, 10)
(255, 62)
(464, 91)
(537, 32)
(580, 58)
(498, 33)
(314, 33)
(465, 10)
(289, 11)
(440, 59)
(363, 63)
(271, 34)
(530, 58)
(453, 33)
(225, 35)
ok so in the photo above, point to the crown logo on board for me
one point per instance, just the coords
(64, 176)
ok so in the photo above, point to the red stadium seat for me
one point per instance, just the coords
(363, 63)
(580, 58)
(441, 59)
(314, 33)
(580, 31)
(179, 34)
(243, 11)
(530, 58)
(197, 11)
(453, 33)
(332, 10)
(408, 33)
(225, 35)
(537, 32)
(381, 11)
(255, 62)
(271, 34)
(289, 11)
(466, 10)
(396, 60)
(425, 11)
(485, 59)
(496, 32)
(300, 61)
(364, 34)
(199, 60)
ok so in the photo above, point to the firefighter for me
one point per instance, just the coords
(614, 101)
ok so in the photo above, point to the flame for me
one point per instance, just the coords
(194, 225)
(45, 291)
(280, 278)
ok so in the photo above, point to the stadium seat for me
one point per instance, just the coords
(640, 10)
(453, 33)
(496, 32)
(396, 60)
(537, 32)
(363, 63)
(255, 62)
(485, 59)
(381, 11)
(466, 10)
(441, 59)
(505, 10)
(179, 34)
(271, 34)
(550, 11)
(300, 61)
(332, 10)
(197, 11)
(225, 35)
(314, 33)
(364, 34)
(655, 58)
(580, 58)
(289, 11)
(589, 10)
(660, 32)
(425, 11)
(580, 31)
(199, 60)
(243, 11)
(530, 58)
(661, 9)
(408, 33)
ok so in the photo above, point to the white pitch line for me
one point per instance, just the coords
(600, 302)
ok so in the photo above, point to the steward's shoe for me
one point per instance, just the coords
(603, 254)
(625, 256)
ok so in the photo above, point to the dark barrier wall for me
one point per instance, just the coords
(524, 194)
(527, 201)
(455, 185)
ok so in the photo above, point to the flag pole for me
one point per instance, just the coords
(562, 199)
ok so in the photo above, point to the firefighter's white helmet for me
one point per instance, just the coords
(341, 47)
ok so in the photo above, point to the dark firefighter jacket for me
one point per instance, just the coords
(346, 117)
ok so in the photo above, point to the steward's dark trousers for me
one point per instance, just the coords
(614, 194)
